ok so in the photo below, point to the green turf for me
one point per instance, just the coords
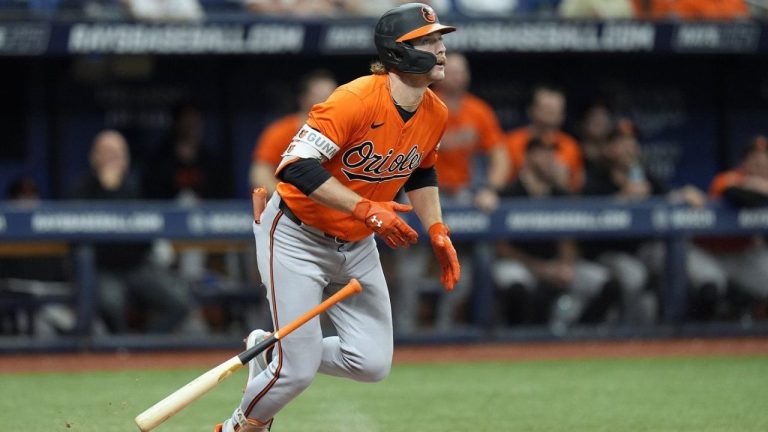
(712, 394)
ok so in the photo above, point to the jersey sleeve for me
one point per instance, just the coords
(338, 117)
(721, 182)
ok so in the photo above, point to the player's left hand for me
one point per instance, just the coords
(446, 255)
(382, 218)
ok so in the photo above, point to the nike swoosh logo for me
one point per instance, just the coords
(375, 125)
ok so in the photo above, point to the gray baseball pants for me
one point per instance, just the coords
(300, 267)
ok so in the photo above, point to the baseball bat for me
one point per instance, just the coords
(178, 400)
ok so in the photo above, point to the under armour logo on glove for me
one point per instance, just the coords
(382, 218)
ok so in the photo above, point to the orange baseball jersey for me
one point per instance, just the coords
(719, 184)
(692, 9)
(568, 153)
(724, 180)
(376, 151)
(472, 128)
(275, 139)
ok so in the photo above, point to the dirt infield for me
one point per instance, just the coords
(408, 354)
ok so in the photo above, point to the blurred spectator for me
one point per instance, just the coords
(596, 127)
(547, 114)
(619, 169)
(692, 9)
(504, 8)
(598, 9)
(184, 168)
(186, 171)
(334, 8)
(298, 8)
(165, 10)
(472, 131)
(531, 274)
(486, 7)
(620, 173)
(313, 88)
(126, 274)
(377, 8)
(614, 168)
(745, 259)
(34, 271)
(23, 192)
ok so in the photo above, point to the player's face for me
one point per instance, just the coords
(597, 124)
(110, 152)
(756, 164)
(318, 91)
(433, 43)
(548, 109)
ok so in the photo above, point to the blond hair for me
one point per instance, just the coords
(378, 68)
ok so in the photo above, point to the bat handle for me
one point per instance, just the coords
(259, 198)
(184, 396)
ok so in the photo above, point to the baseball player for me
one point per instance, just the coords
(339, 176)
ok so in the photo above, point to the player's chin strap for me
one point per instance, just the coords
(245, 424)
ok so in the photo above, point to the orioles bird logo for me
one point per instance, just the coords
(375, 220)
(429, 14)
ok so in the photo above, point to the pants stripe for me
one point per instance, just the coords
(274, 315)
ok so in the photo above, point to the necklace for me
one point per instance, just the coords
(404, 106)
(407, 106)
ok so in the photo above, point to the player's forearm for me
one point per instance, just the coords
(426, 204)
(498, 171)
(335, 195)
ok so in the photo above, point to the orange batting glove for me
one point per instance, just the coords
(446, 254)
(381, 218)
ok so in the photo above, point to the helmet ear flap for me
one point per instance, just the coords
(415, 61)
(395, 56)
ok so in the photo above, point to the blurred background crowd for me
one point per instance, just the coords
(195, 10)
(688, 130)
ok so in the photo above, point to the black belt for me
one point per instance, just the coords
(292, 216)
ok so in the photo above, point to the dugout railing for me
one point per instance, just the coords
(82, 224)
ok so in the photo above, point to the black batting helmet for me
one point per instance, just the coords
(404, 23)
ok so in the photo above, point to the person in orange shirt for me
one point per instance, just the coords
(339, 177)
(744, 259)
(472, 131)
(547, 114)
(313, 88)
(747, 184)
(692, 9)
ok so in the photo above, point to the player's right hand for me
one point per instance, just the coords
(382, 218)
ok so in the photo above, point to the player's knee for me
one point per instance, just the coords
(299, 373)
(371, 367)
(378, 369)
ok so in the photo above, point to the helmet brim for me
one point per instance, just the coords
(425, 30)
